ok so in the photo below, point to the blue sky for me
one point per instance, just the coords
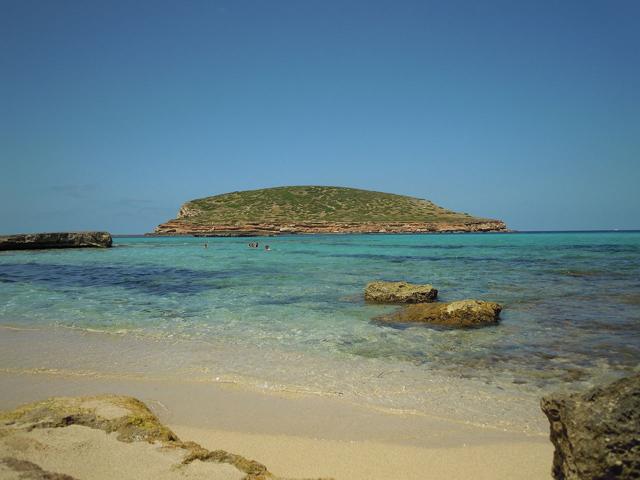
(114, 113)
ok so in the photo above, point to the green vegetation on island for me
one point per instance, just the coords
(309, 209)
(302, 204)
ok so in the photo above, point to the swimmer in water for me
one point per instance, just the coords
(267, 248)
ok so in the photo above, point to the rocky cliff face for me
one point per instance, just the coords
(56, 240)
(180, 226)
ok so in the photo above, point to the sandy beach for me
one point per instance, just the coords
(305, 436)
(296, 456)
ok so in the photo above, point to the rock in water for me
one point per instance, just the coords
(463, 313)
(596, 433)
(56, 240)
(399, 292)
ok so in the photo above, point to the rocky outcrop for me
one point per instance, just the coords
(56, 240)
(463, 313)
(55, 438)
(596, 434)
(399, 292)
(182, 226)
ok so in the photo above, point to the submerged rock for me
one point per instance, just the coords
(399, 292)
(596, 433)
(463, 313)
(40, 440)
(56, 240)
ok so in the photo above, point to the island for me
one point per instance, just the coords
(318, 209)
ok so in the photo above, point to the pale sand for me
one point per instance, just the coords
(88, 453)
(293, 456)
(308, 436)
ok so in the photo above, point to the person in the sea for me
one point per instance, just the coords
(206, 245)
(267, 248)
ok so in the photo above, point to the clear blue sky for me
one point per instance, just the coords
(113, 113)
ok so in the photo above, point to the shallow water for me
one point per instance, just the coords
(295, 316)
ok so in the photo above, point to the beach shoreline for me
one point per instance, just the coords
(394, 390)
(295, 433)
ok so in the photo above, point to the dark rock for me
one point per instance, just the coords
(399, 292)
(596, 433)
(55, 240)
(463, 313)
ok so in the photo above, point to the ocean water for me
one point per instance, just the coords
(294, 318)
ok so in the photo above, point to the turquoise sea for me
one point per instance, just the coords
(294, 317)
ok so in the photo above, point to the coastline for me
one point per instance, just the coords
(181, 226)
(363, 383)
(506, 231)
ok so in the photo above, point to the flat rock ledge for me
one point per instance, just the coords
(33, 241)
(399, 292)
(460, 314)
(596, 433)
(104, 437)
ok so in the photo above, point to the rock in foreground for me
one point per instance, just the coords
(56, 240)
(597, 433)
(107, 437)
(463, 313)
(399, 292)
